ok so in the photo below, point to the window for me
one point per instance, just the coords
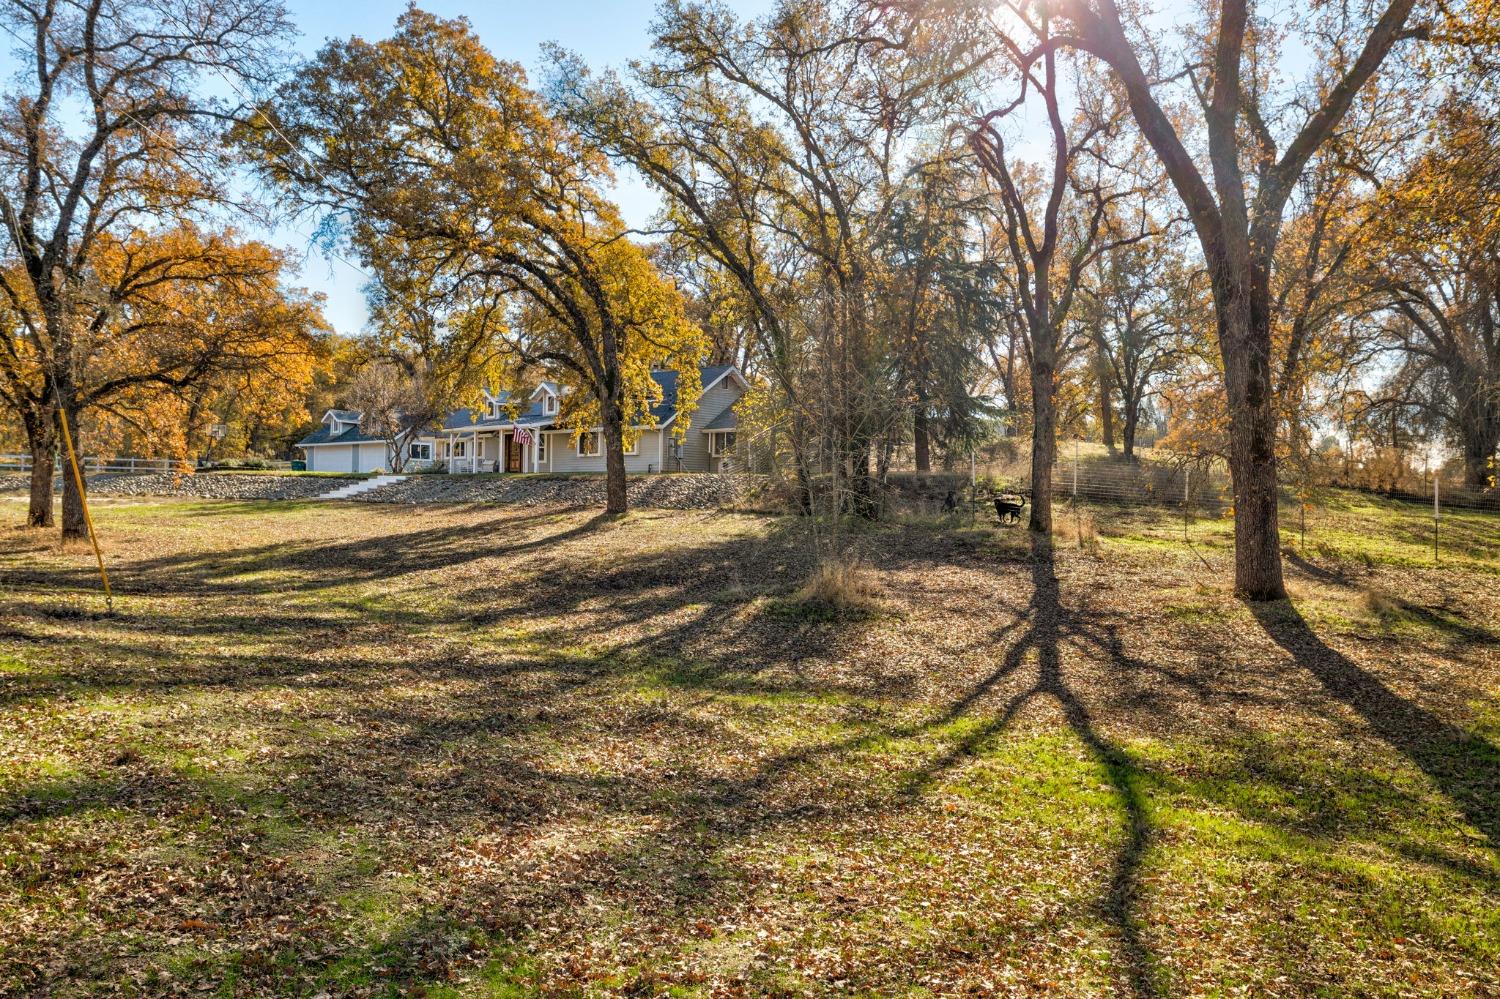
(541, 448)
(720, 442)
(420, 451)
(549, 404)
(460, 449)
(634, 448)
(588, 445)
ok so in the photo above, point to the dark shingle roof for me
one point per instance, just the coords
(667, 408)
(458, 419)
(714, 372)
(724, 421)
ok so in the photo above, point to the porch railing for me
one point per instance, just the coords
(470, 465)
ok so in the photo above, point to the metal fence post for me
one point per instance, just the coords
(973, 487)
(1187, 475)
(1077, 513)
(1437, 514)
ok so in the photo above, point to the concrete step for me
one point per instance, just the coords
(362, 486)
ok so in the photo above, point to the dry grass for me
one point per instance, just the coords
(1077, 528)
(841, 588)
(1379, 603)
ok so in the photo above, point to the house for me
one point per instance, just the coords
(338, 445)
(494, 440)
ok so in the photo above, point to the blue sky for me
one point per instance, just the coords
(604, 32)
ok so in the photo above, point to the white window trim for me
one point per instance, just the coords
(426, 446)
(460, 449)
(716, 445)
(541, 447)
(549, 404)
(598, 444)
(634, 449)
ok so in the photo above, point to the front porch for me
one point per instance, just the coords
(513, 450)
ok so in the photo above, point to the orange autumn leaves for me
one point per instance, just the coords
(173, 331)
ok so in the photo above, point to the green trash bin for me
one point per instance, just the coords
(299, 465)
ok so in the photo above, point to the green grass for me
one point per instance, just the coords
(507, 752)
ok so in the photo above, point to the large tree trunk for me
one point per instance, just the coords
(804, 478)
(1043, 442)
(1479, 429)
(1106, 404)
(862, 482)
(41, 440)
(921, 437)
(1245, 346)
(614, 460)
(74, 524)
(1128, 431)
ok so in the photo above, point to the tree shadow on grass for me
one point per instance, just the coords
(1052, 624)
(487, 760)
(1464, 766)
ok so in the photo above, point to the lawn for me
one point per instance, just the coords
(347, 749)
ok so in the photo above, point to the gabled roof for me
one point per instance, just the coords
(664, 412)
(463, 419)
(325, 435)
(714, 373)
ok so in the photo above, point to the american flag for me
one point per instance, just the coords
(523, 436)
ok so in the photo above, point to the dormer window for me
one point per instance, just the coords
(549, 404)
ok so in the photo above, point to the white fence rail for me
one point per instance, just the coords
(95, 464)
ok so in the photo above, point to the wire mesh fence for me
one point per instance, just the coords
(1192, 499)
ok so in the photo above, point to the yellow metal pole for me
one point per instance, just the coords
(83, 499)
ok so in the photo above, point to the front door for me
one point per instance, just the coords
(514, 449)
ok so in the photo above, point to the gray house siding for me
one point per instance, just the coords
(695, 441)
(562, 455)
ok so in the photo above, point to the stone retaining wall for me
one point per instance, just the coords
(211, 486)
(686, 491)
(207, 486)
